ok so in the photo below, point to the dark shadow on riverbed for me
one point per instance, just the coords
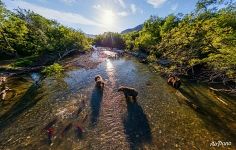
(136, 126)
(211, 113)
(24, 103)
(95, 104)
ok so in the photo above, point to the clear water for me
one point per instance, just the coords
(159, 120)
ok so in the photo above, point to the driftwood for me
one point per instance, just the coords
(65, 53)
(4, 92)
(2, 80)
(230, 91)
(217, 77)
(16, 72)
(4, 89)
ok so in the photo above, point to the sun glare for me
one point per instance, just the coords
(109, 65)
(108, 18)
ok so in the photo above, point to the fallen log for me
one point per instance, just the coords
(67, 52)
(2, 80)
(4, 92)
(20, 71)
(230, 91)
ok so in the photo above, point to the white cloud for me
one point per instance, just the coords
(123, 13)
(97, 6)
(174, 7)
(104, 10)
(122, 3)
(60, 16)
(133, 8)
(156, 3)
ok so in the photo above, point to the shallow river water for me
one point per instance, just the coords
(159, 120)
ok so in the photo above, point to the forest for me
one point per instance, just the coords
(200, 44)
(29, 37)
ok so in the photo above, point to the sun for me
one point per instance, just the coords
(108, 18)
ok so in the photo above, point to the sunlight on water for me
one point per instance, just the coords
(110, 72)
(82, 116)
(109, 65)
(68, 110)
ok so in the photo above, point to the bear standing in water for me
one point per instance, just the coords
(99, 81)
(174, 81)
(129, 92)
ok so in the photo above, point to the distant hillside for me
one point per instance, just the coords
(137, 28)
(90, 36)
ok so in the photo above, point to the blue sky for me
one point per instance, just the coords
(98, 16)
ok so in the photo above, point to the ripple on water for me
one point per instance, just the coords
(159, 120)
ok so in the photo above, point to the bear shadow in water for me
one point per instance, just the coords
(95, 104)
(136, 126)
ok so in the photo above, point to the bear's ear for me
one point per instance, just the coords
(120, 89)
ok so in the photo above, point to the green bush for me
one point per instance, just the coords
(53, 70)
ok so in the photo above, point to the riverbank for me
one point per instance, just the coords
(35, 63)
(196, 74)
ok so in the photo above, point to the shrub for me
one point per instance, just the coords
(53, 70)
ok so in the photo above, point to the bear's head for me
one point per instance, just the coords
(120, 89)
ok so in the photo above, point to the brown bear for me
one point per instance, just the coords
(99, 81)
(129, 92)
(174, 81)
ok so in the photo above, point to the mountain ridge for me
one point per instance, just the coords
(137, 28)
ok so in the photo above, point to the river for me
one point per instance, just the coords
(159, 120)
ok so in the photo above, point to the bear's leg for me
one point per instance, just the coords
(173, 84)
(135, 98)
(126, 96)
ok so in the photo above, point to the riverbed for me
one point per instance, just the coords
(160, 119)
